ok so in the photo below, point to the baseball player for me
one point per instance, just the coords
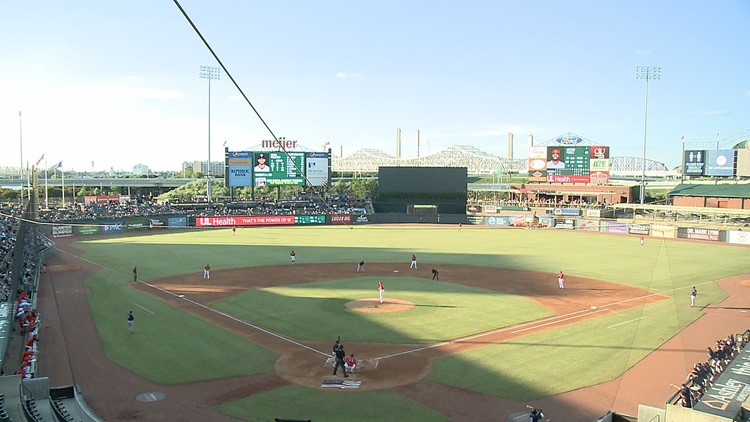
(131, 322)
(207, 271)
(293, 256)
(435, 275)
(381, 291)
(361, 266)
(561, 279)
(413, 262)
(642, 240)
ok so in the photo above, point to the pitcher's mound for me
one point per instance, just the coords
(374, 305)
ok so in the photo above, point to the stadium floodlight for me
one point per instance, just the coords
(209, 72)
(646, 73)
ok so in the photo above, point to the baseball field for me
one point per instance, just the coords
(253, 341)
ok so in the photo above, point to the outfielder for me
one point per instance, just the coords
(381, 291)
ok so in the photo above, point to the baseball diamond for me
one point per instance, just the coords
(495, 334)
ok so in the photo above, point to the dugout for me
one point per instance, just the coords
(421, 191)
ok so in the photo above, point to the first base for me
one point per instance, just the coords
(594, 307)
(395, 271)
(180, 295)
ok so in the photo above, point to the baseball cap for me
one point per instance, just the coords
(261, 155)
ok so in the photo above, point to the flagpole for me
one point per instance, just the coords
(46, 186)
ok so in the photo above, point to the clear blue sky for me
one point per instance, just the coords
(116, 83)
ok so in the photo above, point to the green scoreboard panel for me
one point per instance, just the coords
(283, 169)
(309, 219)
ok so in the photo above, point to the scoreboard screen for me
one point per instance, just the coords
(566, 163)
(279, 168)
(571, 164)
(276, 168)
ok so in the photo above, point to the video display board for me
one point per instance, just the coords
(239, 168)
(568, 164)
(720, 162)
(695, 162)
(317, 168)
(276, 168)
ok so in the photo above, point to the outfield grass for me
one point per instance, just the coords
(562, 357)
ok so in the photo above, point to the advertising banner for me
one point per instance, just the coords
(614, 227)
(567, 211)
(599, 152)
(593, 213)
(62, 230)
(361, 219)
(736, 236)
(599, 177)
(279, 168)
(87, 230)
(641, 229)
(698, 233)
(240, 165)
(497, 221)
(341, 218)
(695, 162)
(177, 221)
(584, 224)
(109, 227)
(720, 162)
(157, 223)
(567, 178)
(490, 208)
(565, 223)
(537, 164)
(252, 220)
(317, 168)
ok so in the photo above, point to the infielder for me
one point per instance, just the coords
(293, 256)
(361, 266)
(381, 291)
(561, 279)
(207, 271)
(413, 262)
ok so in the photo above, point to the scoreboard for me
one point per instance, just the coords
(569, 164)
(276, 168)
(282, 169)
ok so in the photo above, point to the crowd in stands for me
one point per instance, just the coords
(294, 205)
(536, 203)
(8, 230)
(110, 209)
(704, 374)
(26, 315)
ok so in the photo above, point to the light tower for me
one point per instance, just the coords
(646, 73)
(209, 72)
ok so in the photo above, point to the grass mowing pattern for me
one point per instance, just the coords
(169, 346)
(443, 311)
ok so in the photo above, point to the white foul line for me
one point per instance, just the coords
(626, 322)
